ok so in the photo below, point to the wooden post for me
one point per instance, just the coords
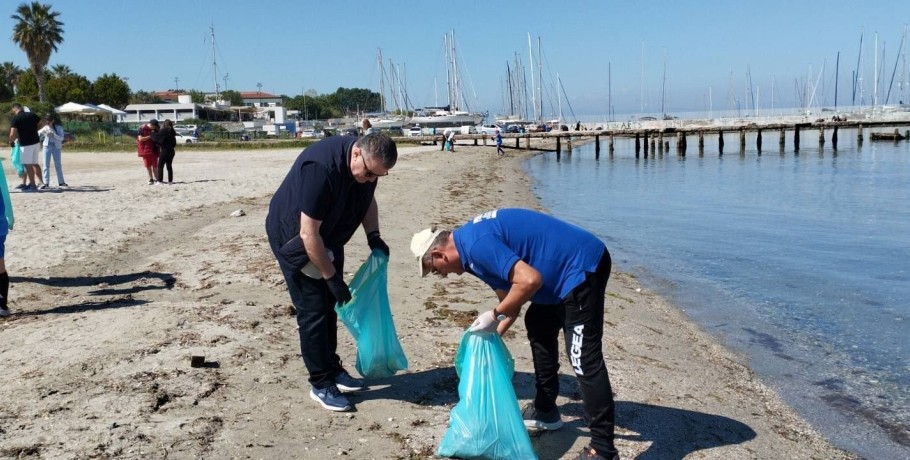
(758, 141)
(527, 142)
(783, 137)
(859, 133)
(679, 143)
(596, 146)
(610, 149)
(660, 141)
(558, 145)
(569, 144)
(646, 142)
(637, 145)
(720, 142)
(821, 135)
(834, 139)
(517, 140)
(796, 138)
(742, 139)
(701, 140)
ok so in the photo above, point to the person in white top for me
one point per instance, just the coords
(52, 135)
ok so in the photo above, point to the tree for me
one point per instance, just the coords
(144, 97)
(61, 70)
(111, 90)
(233, 97)
(10, 73)
(69, 88)
(197, 96)
(37, 32)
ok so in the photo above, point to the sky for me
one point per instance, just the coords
(636, 57)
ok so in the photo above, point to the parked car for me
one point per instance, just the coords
(515, 129)
(490, 130)
(186, 139)
(415, 131)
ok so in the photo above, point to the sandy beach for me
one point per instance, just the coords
(115, 284)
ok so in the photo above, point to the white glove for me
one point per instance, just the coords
(485, 321)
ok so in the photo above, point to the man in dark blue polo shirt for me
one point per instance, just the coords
(562, 270)
(325, 197)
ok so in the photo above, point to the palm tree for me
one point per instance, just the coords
(61, 70)
(37, 32)
(10, 74)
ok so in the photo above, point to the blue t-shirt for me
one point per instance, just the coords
(493, 242)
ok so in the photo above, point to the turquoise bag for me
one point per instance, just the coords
(486, 422)
(7, 204)
(368, 318)
(16, 157)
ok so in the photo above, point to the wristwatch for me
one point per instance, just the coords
(499, 316)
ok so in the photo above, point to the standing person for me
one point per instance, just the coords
(450, 140)
(24, 128)
(148, 150)
(52, 132)
(166, 140)
(325, 197)
(562, 270)
(499, 150)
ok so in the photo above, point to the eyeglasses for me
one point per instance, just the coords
(370, 173)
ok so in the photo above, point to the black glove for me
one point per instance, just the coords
(12, 144)
(375, 242)
(339, 288)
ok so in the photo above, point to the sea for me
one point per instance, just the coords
(796, 259)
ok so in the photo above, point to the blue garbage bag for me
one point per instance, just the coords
(486, 422)
(7, 204)
(16, 157)
(368, 317)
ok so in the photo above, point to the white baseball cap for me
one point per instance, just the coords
(420, 244)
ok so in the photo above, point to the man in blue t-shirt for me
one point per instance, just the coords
(325, 197)
(562, 270)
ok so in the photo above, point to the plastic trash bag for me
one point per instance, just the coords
(486, 422)
(16, 157)
(368, 318)
(7, 204)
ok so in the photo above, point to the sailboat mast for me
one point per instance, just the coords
(214, 65)
(456, 92)
(539, 78)
(533, 93)
(448, 70)
(381, 81)
(836, 76)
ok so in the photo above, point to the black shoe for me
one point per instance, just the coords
(43, 187)
(21, 187)
(151, 181)
(588, 453)
(537, 420)
(62, 184)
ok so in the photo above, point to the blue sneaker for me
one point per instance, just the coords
(345, 382)
(331, 399)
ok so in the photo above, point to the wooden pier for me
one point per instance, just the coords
(657, 140)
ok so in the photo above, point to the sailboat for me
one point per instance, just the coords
(452, 114)
(384, 120)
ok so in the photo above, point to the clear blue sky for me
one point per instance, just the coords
(709, 47)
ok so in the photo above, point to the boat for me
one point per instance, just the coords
(453, 114)
(384, 120)
(445, 117)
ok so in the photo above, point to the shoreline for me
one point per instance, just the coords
(98, 348)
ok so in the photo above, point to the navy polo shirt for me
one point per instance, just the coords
(493, 242)
(320, 185)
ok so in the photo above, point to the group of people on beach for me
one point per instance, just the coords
(156, 145)
(524, 255)
(35, 136)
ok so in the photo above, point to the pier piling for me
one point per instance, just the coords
(796, 138)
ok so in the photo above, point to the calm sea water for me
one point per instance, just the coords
(800, 261)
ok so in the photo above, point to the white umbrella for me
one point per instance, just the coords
(80, 109)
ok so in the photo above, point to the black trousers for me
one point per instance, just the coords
(317, 322)
(165, 159)
(580, 316)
